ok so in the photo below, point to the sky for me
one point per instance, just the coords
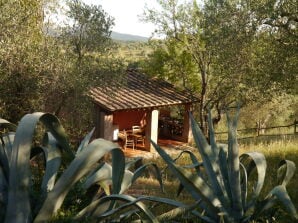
(126, 14)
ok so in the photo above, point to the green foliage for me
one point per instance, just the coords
(91, 28)
(23, 199)
(228, 188)
(39, 65)
(226, 51)
(21, 54)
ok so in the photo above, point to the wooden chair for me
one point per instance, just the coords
(136, 129)
(138, 134)
(129, 141)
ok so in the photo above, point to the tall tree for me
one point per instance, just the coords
(240, 50)
(215, 40)
(87, 45)
(90, 29)
(21, 51)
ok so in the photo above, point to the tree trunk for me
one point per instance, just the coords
(202, 112)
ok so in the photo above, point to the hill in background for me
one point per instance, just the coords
(128, 37)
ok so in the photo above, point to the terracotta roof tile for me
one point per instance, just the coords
(139, 91)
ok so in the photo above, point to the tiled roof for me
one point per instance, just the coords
(139, 91)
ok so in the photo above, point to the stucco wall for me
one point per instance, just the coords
(126, 119)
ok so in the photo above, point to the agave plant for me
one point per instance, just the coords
(221, 187)
(85, 167)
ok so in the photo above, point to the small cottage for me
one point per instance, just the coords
(139, 108)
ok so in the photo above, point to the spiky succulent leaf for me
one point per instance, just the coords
(285, 171)
(131, 163)
(103, 177)
(194, 184)
(129, 201)
(283, 197)
(142, 169)
(278, 195)
(223, 158)
(85, 141)
(4, 124)
(5, 154)
(256, 161)
(210, 163)
(3, 188)
(103, 173)
(18, 208)
(79, 167)
(118, 169)
(7, 142)
(234, 166)
(53, 161)
(195, 163)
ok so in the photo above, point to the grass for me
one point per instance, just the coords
(274, 153)
(149, 186)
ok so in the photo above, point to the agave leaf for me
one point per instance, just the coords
(225, 172)
(234, 167)
(103, 177)
(53, 125)
(7, 140)
(181, 208)
(130, 201)
(3, 193)
(244, 186)
(7, 125)
(200, 139)
(53, 162)
(79, 167)
(193, 184)
(195, 163)
(18, 208)
(4, 161)
(127, 181)
(181, 211)
(282, 195)
(94, 208)
(259, 162)
(209, 162)
(285, 171)
(129, 164)
(178, 210)
(141, 170)
(85, 141)
(103, 173)
(3, 188)
(278, 193)
(118, 168)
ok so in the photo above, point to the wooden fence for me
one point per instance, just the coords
(258, 131)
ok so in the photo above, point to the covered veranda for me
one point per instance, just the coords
(140, 102)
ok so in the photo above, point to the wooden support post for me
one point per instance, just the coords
(187, 133)
(151, 129)
(104, 125)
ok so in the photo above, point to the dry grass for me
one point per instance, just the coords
(274, 153)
